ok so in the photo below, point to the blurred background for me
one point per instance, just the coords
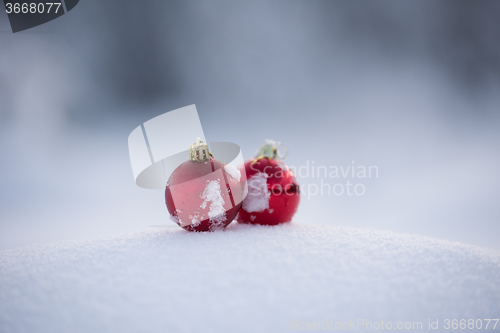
(412, 87)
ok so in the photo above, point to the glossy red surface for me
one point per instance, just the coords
(183, 195)
(283, 186)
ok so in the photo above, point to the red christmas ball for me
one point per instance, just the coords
(273, 191)
(201, 192)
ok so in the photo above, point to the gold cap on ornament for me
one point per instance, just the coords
(199, 151)
(270, 150)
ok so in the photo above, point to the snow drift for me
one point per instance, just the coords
(244, 279)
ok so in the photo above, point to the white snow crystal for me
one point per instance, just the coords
(175, 219)
(195, 220)
(258, 196)
(212, 194)
(233, 171)
(218, 222)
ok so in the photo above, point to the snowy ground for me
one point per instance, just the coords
(245, 279)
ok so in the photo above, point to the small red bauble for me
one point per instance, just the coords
(273, 191)
(200, 193)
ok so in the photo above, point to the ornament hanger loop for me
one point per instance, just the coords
(281, 157)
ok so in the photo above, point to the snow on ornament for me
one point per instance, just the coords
(201, 193)
(273, 191)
